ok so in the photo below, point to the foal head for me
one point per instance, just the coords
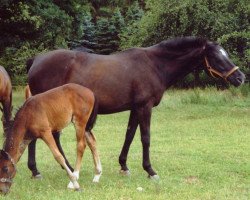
(7, 171)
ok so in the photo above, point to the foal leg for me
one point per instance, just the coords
(81, 145)
(91, 141)
(132, 126)
(32, 160)
(56, 136)
(49, 140)
(144, 116)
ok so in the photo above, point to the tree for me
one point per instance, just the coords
(225, 21)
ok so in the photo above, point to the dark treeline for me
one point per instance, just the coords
(31, 27)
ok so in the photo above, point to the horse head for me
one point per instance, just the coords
(7, 171)
(218, 64)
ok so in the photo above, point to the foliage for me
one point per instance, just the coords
(29, 27)
(225, 21)
(15, 59)
(132, 19)
(205, 18)
(238, 46)
(109, 26)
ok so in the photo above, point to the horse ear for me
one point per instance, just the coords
(4, 154)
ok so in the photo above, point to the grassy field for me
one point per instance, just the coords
(200, 147)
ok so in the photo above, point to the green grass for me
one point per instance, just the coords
(200, 147)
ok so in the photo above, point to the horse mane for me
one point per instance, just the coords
(182, 48)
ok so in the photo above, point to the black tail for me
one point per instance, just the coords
(92, 118)
(29, 63)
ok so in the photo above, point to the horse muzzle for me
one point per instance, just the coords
(4, 189)
(237, 78)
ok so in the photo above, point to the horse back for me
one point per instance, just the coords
(50, 70)
(119, 80)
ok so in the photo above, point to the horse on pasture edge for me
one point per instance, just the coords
(43, 115)
(134, 79)
(5, 96)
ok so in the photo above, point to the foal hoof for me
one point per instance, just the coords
(154, 177)
(96, 178)
(125, 172)
(38, 176)
(70, 186)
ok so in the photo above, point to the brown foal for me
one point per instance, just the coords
(42, 115)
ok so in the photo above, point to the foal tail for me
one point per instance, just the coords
(92, 118)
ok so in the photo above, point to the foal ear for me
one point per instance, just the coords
(4, 154)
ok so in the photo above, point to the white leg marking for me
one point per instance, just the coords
(98, 172)
(74, 184)
(155, 177)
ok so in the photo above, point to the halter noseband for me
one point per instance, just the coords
(212, 71)
(8, 180)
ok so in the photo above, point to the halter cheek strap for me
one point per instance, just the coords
(214, 72)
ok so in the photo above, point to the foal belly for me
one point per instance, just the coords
(59, 122)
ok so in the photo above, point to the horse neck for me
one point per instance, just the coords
(14, 143)
(174, 69)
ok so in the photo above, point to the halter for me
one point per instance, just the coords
(8, 180)
(212, 71)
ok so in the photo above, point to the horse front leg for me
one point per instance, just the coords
(32, 160)
(144, 117)
(132, 126)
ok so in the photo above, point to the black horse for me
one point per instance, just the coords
(133, 80)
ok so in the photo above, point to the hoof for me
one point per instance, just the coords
(96, 178)
(38, 176)
(154, 177)
(70, 186)
(125, 172)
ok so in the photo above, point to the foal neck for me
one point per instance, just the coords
(14, 143)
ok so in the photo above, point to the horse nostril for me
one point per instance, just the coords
(4, 191)
(240, 80)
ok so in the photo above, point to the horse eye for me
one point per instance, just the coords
(5, 169)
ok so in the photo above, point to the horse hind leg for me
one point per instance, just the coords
(91, 141)
(32, 160)
(49, 140)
